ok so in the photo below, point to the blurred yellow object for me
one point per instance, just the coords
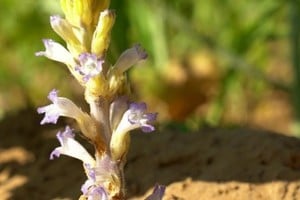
(101, 36)
(83, 13)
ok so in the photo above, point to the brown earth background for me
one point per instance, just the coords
(211, 164)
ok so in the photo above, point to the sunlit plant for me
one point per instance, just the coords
(86, 30)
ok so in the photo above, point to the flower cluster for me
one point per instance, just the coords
(86, 31)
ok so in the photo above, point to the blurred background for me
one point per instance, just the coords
(211, 63)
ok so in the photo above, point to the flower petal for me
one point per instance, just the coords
(90, 66)
(129, 58)
(52, 114)
(116, 111)
(64, 29)
(97, 193)
(135, 117)
(157, 194)
(70, 147)
(60, 107)
(56, 51)
(93, 192)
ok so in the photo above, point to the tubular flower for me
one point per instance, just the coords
(116, 76)
(102, 175)
(135, 117)
(98, 172)
(60, 107)
(129, 58)
(70, 147)
(90, 188)
(64, 107)
(57, 52)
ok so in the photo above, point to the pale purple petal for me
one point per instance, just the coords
(54, 153)
(135, 117)
(56, 51)
(130, 57)
(62, 138)
(101, 172)
(157, 194)
(70, 147)
(52, 114)
(85, 187)
(52, 96)
(97, 193)
(60, 107)
(90, 66)
(138, 116)
(105, 168)
(90, 171)
(55, 20)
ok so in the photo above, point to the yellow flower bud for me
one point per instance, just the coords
(83, 13)
(101, 37)
(119, 146)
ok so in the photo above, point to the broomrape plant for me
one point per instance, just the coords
(86, 30)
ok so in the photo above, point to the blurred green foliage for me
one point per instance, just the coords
(239, 35)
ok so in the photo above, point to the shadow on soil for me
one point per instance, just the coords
(241, 155)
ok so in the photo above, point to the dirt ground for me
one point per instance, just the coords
(207, 165)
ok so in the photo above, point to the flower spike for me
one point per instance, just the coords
(86, 30)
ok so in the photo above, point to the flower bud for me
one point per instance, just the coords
(101, 37)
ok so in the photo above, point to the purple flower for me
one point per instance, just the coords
(60, 107)
(93, 192)
(90, 66)
(52, 112)
(103, 172)
(97, 193)
(57, 52)
(70, 147)
(130, 57)
(136, 117)
(157, 194)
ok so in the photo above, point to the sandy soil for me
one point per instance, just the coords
(208, 165)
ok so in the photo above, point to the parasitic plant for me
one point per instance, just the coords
(86, 30)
